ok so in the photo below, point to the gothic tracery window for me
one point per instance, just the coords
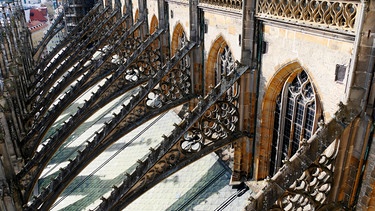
(225, 65)
(182, 42)
(154, 24)
(295, 115)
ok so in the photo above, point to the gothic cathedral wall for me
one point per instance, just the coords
(229, 26)
(152, 8)
(316, 54)
(179, 14)
(288, 50)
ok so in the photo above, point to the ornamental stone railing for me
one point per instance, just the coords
(337, 16)
(235, 4)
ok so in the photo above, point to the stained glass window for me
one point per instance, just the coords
(294, 119)
(182, 42)
(225, 65)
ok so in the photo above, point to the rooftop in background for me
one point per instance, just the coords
(36, 26)
(38, 14)
(202, 186)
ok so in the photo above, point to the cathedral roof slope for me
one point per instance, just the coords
(202, 186)
(37, 15)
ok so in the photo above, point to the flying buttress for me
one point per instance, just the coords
(80, 53)
(132, 48)
(149, 101)
(56, 27)
(75, 36)
(209, 126)
(306, 177)
(98, 68)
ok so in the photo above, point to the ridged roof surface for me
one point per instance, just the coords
(200, 186)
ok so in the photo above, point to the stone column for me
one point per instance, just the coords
(164, 24)
(10, 182)
(118, 6)
(366, 198)
(361, 93)
(362, 65)
(243, 149)
(196, 35)
(129, 11)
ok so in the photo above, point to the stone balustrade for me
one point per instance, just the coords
(330, 15)
(235, 4)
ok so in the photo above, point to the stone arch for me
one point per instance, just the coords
(177, 33)
(123, 12)
(154, 24)
(285, 74)
(217, 47)
(136, 15)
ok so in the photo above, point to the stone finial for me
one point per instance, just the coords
(304, 142)
(346, 113)
(251, 199)
(321, 123)
(286, 161)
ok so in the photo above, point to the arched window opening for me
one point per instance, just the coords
(295, 113)
(136, 17)
(182, 42)
(224, 63)
(179, 39)
(224, 66)
(123, 10)
(220, 63)
(154, 24)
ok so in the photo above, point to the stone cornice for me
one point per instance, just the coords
(231, 12)
(179, 2)
(304, 28)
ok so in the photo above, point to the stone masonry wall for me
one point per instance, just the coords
(367, 193)
(229, 27)
(180, 15)
(152, 8)
(317, 55)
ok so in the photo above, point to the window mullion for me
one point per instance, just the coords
(304, 119)
(292, 125)
(295, 114)
(283, 110)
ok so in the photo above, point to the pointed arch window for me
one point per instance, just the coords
(154, 24)
(295, 115)
(182, 40)
(225, 65)
(181, 43)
